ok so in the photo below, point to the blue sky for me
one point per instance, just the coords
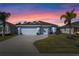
(49, 12)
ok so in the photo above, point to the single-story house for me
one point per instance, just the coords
(43, 27)
(74, 28)
(9, 28)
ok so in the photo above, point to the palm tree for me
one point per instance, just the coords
(3, 18)
(68, 16)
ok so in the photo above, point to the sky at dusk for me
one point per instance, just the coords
(48, 12)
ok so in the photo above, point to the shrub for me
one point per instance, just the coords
(58, 31)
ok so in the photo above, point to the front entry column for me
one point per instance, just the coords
(50, 31)
(40, 31)
(19, 31)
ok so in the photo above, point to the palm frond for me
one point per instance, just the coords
(65, 22)
(72, 11)
(63, 16)
(74, 15)
(4, 16)
(68, 14)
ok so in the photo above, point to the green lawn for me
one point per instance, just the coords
(6, 37)
(58, 44)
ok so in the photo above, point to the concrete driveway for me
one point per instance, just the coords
(20, 45)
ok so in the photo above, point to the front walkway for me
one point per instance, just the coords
(20, 45)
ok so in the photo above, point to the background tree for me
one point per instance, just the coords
(3, 17)
(25, 22)
(68, 16)
(19, 23)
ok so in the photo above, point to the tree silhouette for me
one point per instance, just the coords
(19, 23)
(25, 22)
(3, 17)
(68, 16)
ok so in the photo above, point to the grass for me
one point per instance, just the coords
(6, 37)
(58, 44)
